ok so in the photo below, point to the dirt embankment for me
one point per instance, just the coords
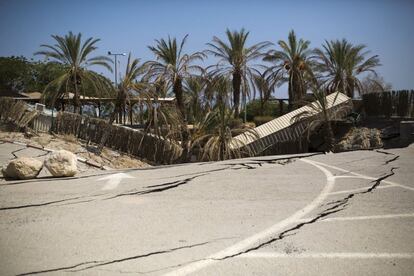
(108, 158)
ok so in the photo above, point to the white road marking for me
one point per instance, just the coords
(360, 190)
(390, 216)
(354, 176)
(342, 255)
(362, 176)
(261, 236)
(113, 180)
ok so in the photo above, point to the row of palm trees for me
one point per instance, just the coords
(202, 93)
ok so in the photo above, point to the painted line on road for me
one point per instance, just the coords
(361, 175)
(360, 190)
(113, 180)
(265, 234)
(390, 216)
(342, 255)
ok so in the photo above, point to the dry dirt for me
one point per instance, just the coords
(108, 158)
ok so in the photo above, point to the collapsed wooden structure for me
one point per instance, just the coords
(284, 133)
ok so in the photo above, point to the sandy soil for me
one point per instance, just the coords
(108, 158)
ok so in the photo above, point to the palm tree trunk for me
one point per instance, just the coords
(107, 131)
(262, 103)
(351, 88)
(178, 92)
(76, 102)
(290, 94)
(130, 113)
(329, 136)
(236, 93)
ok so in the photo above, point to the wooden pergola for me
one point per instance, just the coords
(36, 97)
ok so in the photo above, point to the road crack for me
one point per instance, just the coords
(336, 207)
(15, 151)
(159, 187)
(37, 204)
(384, 152)
(391, 160)
(93, 264)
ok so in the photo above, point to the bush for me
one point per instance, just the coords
(253, 109)
(235, 123)
(260, 120)
(270, 109)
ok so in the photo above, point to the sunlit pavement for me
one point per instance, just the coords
(335, 214)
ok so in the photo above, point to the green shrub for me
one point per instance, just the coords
(253, 109)
(270, 109)
(260, 120)
(235, 123)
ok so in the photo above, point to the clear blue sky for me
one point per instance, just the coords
(385, 26)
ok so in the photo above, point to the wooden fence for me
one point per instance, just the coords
(42, 123)
(131, 141)
(389, 104)
(16, 113)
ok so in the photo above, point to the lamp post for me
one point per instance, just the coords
(116, 63)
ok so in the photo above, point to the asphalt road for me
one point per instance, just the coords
(335, 214)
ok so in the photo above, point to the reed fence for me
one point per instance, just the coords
(131, 141)
(389, 104)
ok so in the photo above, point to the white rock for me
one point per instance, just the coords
(62, 163)
(23, 168)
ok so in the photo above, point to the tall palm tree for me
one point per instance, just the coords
(75, 56)
(292, 64)
(265, 86)
(129, 85)
(194, 96)
(213, 134)
(173, 66)
(340, 63)
(235, 61)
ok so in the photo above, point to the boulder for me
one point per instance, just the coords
(23, 168)
(62, 163)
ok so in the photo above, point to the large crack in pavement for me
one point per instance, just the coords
(338, 206)
(93, 264)
(230, 166)
(37, 204)
(15, 151)
(389, 153)
(391, 160)
(155, 189)
(165, 186)
(159, 187)
(385, 152)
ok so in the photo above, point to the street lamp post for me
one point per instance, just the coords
(116, 71)
(116, 63)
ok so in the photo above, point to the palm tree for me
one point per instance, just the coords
(292, 64)
(194, 96)
(212, 134)
(173, 66)
(235, 61)
(340, 63)
(321, 115)
(265, 86)
(129, 85)
(75, 56)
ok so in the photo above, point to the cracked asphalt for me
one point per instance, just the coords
(311, 214)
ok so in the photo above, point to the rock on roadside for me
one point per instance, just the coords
(62, 163)
(23, 168)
